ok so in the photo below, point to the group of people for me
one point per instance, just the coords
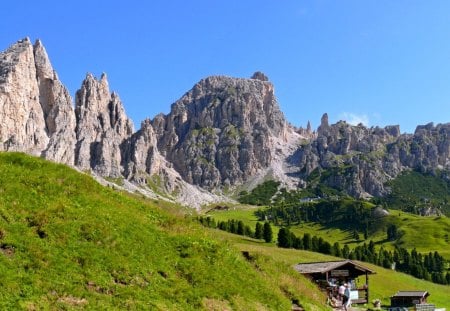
(344, 295)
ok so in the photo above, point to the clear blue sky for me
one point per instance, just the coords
(382, 61)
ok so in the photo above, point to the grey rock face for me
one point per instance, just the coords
(359, 160)
(220, 132)
(36, 115)
(22, 126)
(102, 127)
(57, 108)
(223, 132)
(142, 156)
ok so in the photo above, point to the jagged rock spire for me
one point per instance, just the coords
(102, 126)
(36, 113)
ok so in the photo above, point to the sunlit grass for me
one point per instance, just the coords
(68, 243)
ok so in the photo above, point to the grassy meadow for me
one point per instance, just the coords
(383, 284)
(430, 233)
(67, 243)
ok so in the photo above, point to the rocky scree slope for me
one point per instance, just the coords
(221, 133)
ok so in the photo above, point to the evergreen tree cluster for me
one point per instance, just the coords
(288, 208)
(261, 231)
(414, 192)
(261, 195)
(431, 267)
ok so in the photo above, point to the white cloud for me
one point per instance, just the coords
(354, 119)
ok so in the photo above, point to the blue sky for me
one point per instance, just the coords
(380, 62)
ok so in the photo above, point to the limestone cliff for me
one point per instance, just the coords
(57, 108)
(359, 160)
(36, 115)
(102, 127)
(221, 132)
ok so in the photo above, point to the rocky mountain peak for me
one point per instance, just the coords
(360, 160)
(102, 126)
(260, 76)
(221, 131)
(21, 124)
(324, 125)
(44, 68)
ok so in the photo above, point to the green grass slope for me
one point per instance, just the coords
(423, 233)
(413, 191)
(430, 233)
(383, 284)
(67, 243)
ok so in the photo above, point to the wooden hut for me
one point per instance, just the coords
(329, 274)
(409, 298)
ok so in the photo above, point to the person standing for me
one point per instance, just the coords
(341, 290)
(346, 300)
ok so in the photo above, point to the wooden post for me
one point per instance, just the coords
(367, 287)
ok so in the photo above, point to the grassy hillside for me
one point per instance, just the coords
(383, 284)
(413, 192)
(68, 243)
(423, 233)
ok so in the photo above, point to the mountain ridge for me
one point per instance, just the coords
(224, 134)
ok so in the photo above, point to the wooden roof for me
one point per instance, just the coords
(325, 266)
(411, 293)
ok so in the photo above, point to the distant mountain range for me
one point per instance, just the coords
(223, 135)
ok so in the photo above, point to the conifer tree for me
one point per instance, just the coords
(240, 227)
(267, 232)
(307, 243)
(284, 238)
(336, 251)
(258, 231)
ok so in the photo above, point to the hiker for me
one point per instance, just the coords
(346, 300)
(341, 291)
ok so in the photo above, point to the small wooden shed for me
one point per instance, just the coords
(329, 274)
(409, 298)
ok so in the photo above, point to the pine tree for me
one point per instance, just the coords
(325, 247)
(284, 238)
(267, 232)
(258, 231)
(248, 231)
(297, 242)
(336, 251)
(392, 233)
(240, 228)
(315, 244)
(307, 243)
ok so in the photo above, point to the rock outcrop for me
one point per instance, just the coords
(359, 160)
(57, 108)
(221, 132)
(36, 114)
(102, 128)
(224, 132)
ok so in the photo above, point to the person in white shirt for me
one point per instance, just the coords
(341, 291)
